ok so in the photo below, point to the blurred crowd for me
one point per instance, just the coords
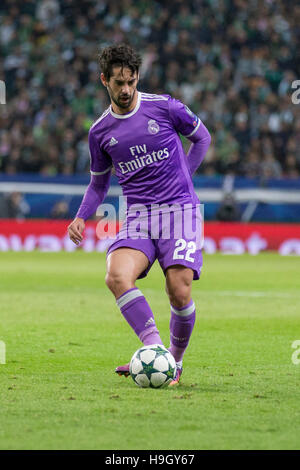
(231, 61)
(13, 206)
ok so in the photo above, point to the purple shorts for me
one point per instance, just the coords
(172, 235)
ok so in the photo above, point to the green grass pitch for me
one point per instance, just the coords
(64, 337)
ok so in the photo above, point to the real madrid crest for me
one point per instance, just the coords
(153, 127)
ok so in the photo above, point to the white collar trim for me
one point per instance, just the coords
(125, 116)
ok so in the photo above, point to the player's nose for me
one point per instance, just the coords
(125, 90)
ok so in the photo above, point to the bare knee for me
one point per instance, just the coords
(124, 265)
(179, 296)
(118, 283)
(179, 286)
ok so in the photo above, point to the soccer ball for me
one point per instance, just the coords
(152, 366)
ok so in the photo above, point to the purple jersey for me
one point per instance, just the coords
(146, 151)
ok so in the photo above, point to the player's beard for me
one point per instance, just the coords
(118, 101)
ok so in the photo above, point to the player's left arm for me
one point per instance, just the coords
(191, 127)
(201, 140)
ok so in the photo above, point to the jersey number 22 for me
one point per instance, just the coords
(182, 245)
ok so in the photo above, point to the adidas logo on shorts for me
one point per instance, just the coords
(113, 141)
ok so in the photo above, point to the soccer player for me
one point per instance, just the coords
(138, 135)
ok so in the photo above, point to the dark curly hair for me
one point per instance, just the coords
(120, 55)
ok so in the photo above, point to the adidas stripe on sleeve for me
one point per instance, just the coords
(183, 119)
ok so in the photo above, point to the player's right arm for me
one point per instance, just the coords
(96, 191)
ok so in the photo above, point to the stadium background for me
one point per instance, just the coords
(232, 61)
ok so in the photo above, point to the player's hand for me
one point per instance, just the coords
(75, 230)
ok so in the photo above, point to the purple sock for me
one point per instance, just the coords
(138, 314)
(181, 327)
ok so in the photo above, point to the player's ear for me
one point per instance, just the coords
(103, 80)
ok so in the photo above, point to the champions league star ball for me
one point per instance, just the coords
(152, 366)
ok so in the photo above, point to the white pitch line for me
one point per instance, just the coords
(258, 294)
(283, 295)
